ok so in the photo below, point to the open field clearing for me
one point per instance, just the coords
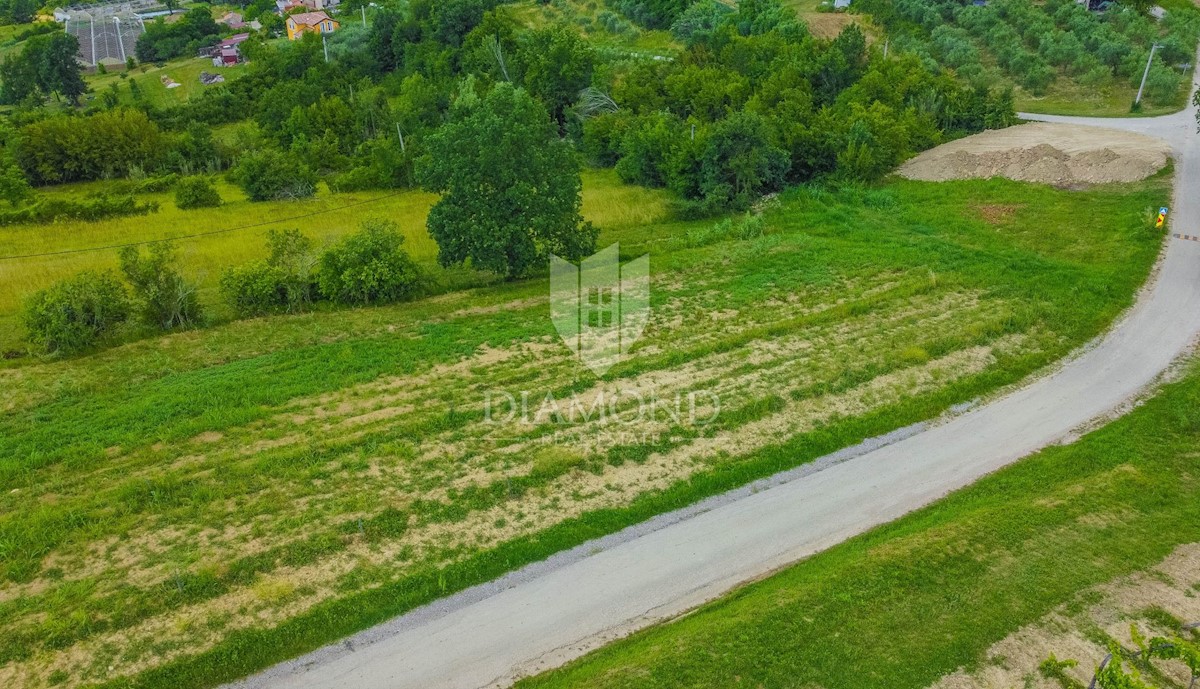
(602, 27)
(185, 72)
(180, 511)
(1057, 554)
(1067, 97)
(827, 24)
(324, 218)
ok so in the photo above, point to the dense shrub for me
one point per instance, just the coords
(14, 188)
(283, 283)
(647, 147)
(164, 299)
(652, 14)
(76, 313)
(269, 175)
(109, 144)
(1162, 84)
(369, 267)
(47, 210)
(196, 192)
(254, 289)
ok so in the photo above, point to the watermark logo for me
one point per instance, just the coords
(600, 307)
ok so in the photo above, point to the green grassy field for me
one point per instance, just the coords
(911, 602)
(185, 72)
(584, 15)
(607, 202)
(180, 511)
(828, 24)
(1067, 97)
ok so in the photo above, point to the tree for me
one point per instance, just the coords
(698, 22)
(163, 41)
(739, 162)
(164, 299)
(269, 175)
(14, 188)
(74, 314)
(46, 65)
(68, 149)
(511, 190)
(18, 78)
(558, 65)
(369, 267)
(196, 192)
(647, 147)
(58, 69)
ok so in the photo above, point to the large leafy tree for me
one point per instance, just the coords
(18, 11)
(511, 190)
(58, 69)
(558, 65)
(46, 65)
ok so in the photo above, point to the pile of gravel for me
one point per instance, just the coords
(1058, 154)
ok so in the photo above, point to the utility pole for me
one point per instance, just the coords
(886, 43)
(325, 46)
(401, 135)
(1145, 74)
(364, 11)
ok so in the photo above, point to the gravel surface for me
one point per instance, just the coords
(1052, 153)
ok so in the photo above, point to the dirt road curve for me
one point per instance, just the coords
(554, 612)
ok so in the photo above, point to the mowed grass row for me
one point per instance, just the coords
(913, 601)
(187, 509)
(325, 218)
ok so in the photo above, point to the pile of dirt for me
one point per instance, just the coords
(1058, 154)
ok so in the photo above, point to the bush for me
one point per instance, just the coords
(254, 289)
(74, 314)
(99, 207)
(270, 175)
(369, 267)
(196, 192)
(65, 148)
(165, 301)
(282, 283)
(1162, 84)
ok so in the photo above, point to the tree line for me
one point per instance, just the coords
(456, 97)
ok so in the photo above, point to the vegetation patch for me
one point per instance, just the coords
(189, 509)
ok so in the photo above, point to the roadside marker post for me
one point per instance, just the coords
(1162, 217)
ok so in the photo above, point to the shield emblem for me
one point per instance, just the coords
(600, 307)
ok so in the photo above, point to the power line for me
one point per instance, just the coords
(200, 234)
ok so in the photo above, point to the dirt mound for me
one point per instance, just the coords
(1059, 154)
